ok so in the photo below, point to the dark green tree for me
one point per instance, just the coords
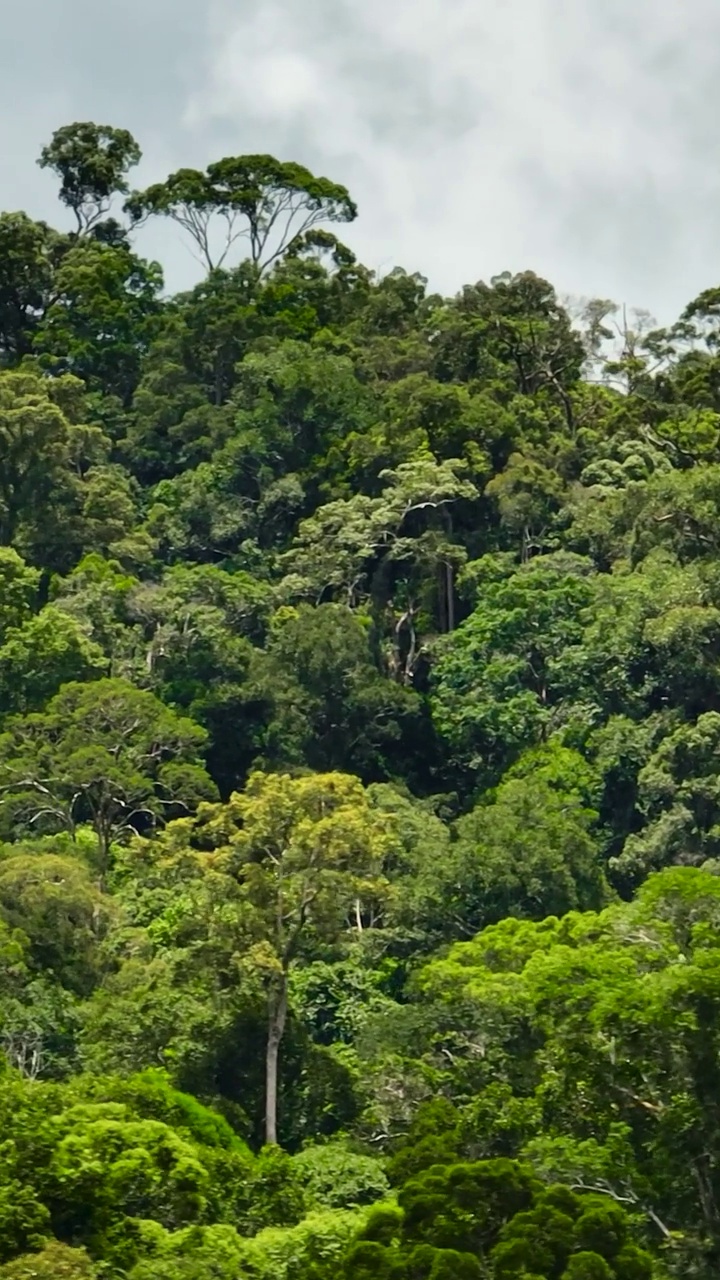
(268, 202)
(92, 162)
(105, 753)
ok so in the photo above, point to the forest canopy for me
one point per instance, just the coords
(359, 754)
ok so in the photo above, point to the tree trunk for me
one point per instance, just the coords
(277, 1016)
(447, 573)
(450, 597)
(104, 840)
(442, 598)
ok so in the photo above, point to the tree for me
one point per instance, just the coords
(47, 651)
(26, 277)
(515, 331)
(173, 425)
(38, 1020)
(293, 406)
(421, 870)
(53, 1262)
(493, 1218)
(107, 1159)
(179, 409)
(678, 514)
(95, 594)
(19, 588)
(101, 318)
(531, 852)
(47, 446)
(530, 848)
(193, 644)
(679, 799)
(337, 1178)
(202, 608)
(528, 494)
(605, 1029)
(328, 705)
(104, 753)
(308, 852)
(497, 683)
(146, 1179)
(650, 640)
(178, 1006)
(200, 515)
(34, 438)
(92, 162)
(388, 547)
(51, 899)
(269, 202)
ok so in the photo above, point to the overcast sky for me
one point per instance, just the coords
(577, 138)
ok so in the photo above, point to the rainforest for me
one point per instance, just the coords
(359, 754)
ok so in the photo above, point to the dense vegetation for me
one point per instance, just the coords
(359, 756)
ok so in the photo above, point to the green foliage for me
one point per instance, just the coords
(677, 792)
(92, 162)
(609, 1020)
(275, 203)
(52, 900)
(494, 1219)
(19, 592)
(105, 753)
(497, 683)
(336, 1178)
(152, 1097)
(359, 754)
(54, 1262)
(327, 701)
(40, 446)
(25, 282)
(48, 651)
(531, 852)
(102, 316)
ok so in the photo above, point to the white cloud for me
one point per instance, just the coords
(565, 135)
(575, 137)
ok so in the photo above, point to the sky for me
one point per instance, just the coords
(574, 138)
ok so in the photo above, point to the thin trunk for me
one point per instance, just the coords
(276, 1027)
(442, 599)
(525, 550)
(449, 576)
(104, 840)
(410, 659)
(450, 597)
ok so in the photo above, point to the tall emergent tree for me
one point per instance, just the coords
(92, 162)
(309, 853)
(271, 203)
